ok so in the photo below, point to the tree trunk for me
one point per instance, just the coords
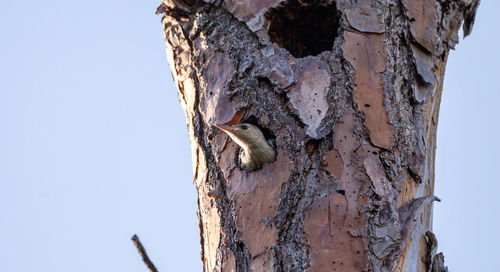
(350, 92)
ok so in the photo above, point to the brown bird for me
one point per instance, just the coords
(255, 150)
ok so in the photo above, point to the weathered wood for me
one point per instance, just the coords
(350, 91)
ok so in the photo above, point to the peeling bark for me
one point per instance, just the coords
(350, 92)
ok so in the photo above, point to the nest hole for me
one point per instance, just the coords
(304, 28)
(268, 134)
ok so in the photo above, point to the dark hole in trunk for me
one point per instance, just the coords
(304, 28)
(268, 134)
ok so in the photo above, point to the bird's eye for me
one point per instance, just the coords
(244, 126)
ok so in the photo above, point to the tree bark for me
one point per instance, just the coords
(350, 91)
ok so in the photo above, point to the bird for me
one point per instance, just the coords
(255, 150)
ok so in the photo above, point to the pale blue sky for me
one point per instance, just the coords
(94, 147)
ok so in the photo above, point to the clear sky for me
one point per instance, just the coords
(94, 147)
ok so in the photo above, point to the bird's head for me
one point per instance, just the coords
(247, 136)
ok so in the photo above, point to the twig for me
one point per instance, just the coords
(143, 254)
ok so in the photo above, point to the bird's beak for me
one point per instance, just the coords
(226, 127)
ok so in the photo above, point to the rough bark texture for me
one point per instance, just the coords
(350, 91)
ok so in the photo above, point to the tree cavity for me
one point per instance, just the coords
(304, 28)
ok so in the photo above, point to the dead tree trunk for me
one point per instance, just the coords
(350, 91)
